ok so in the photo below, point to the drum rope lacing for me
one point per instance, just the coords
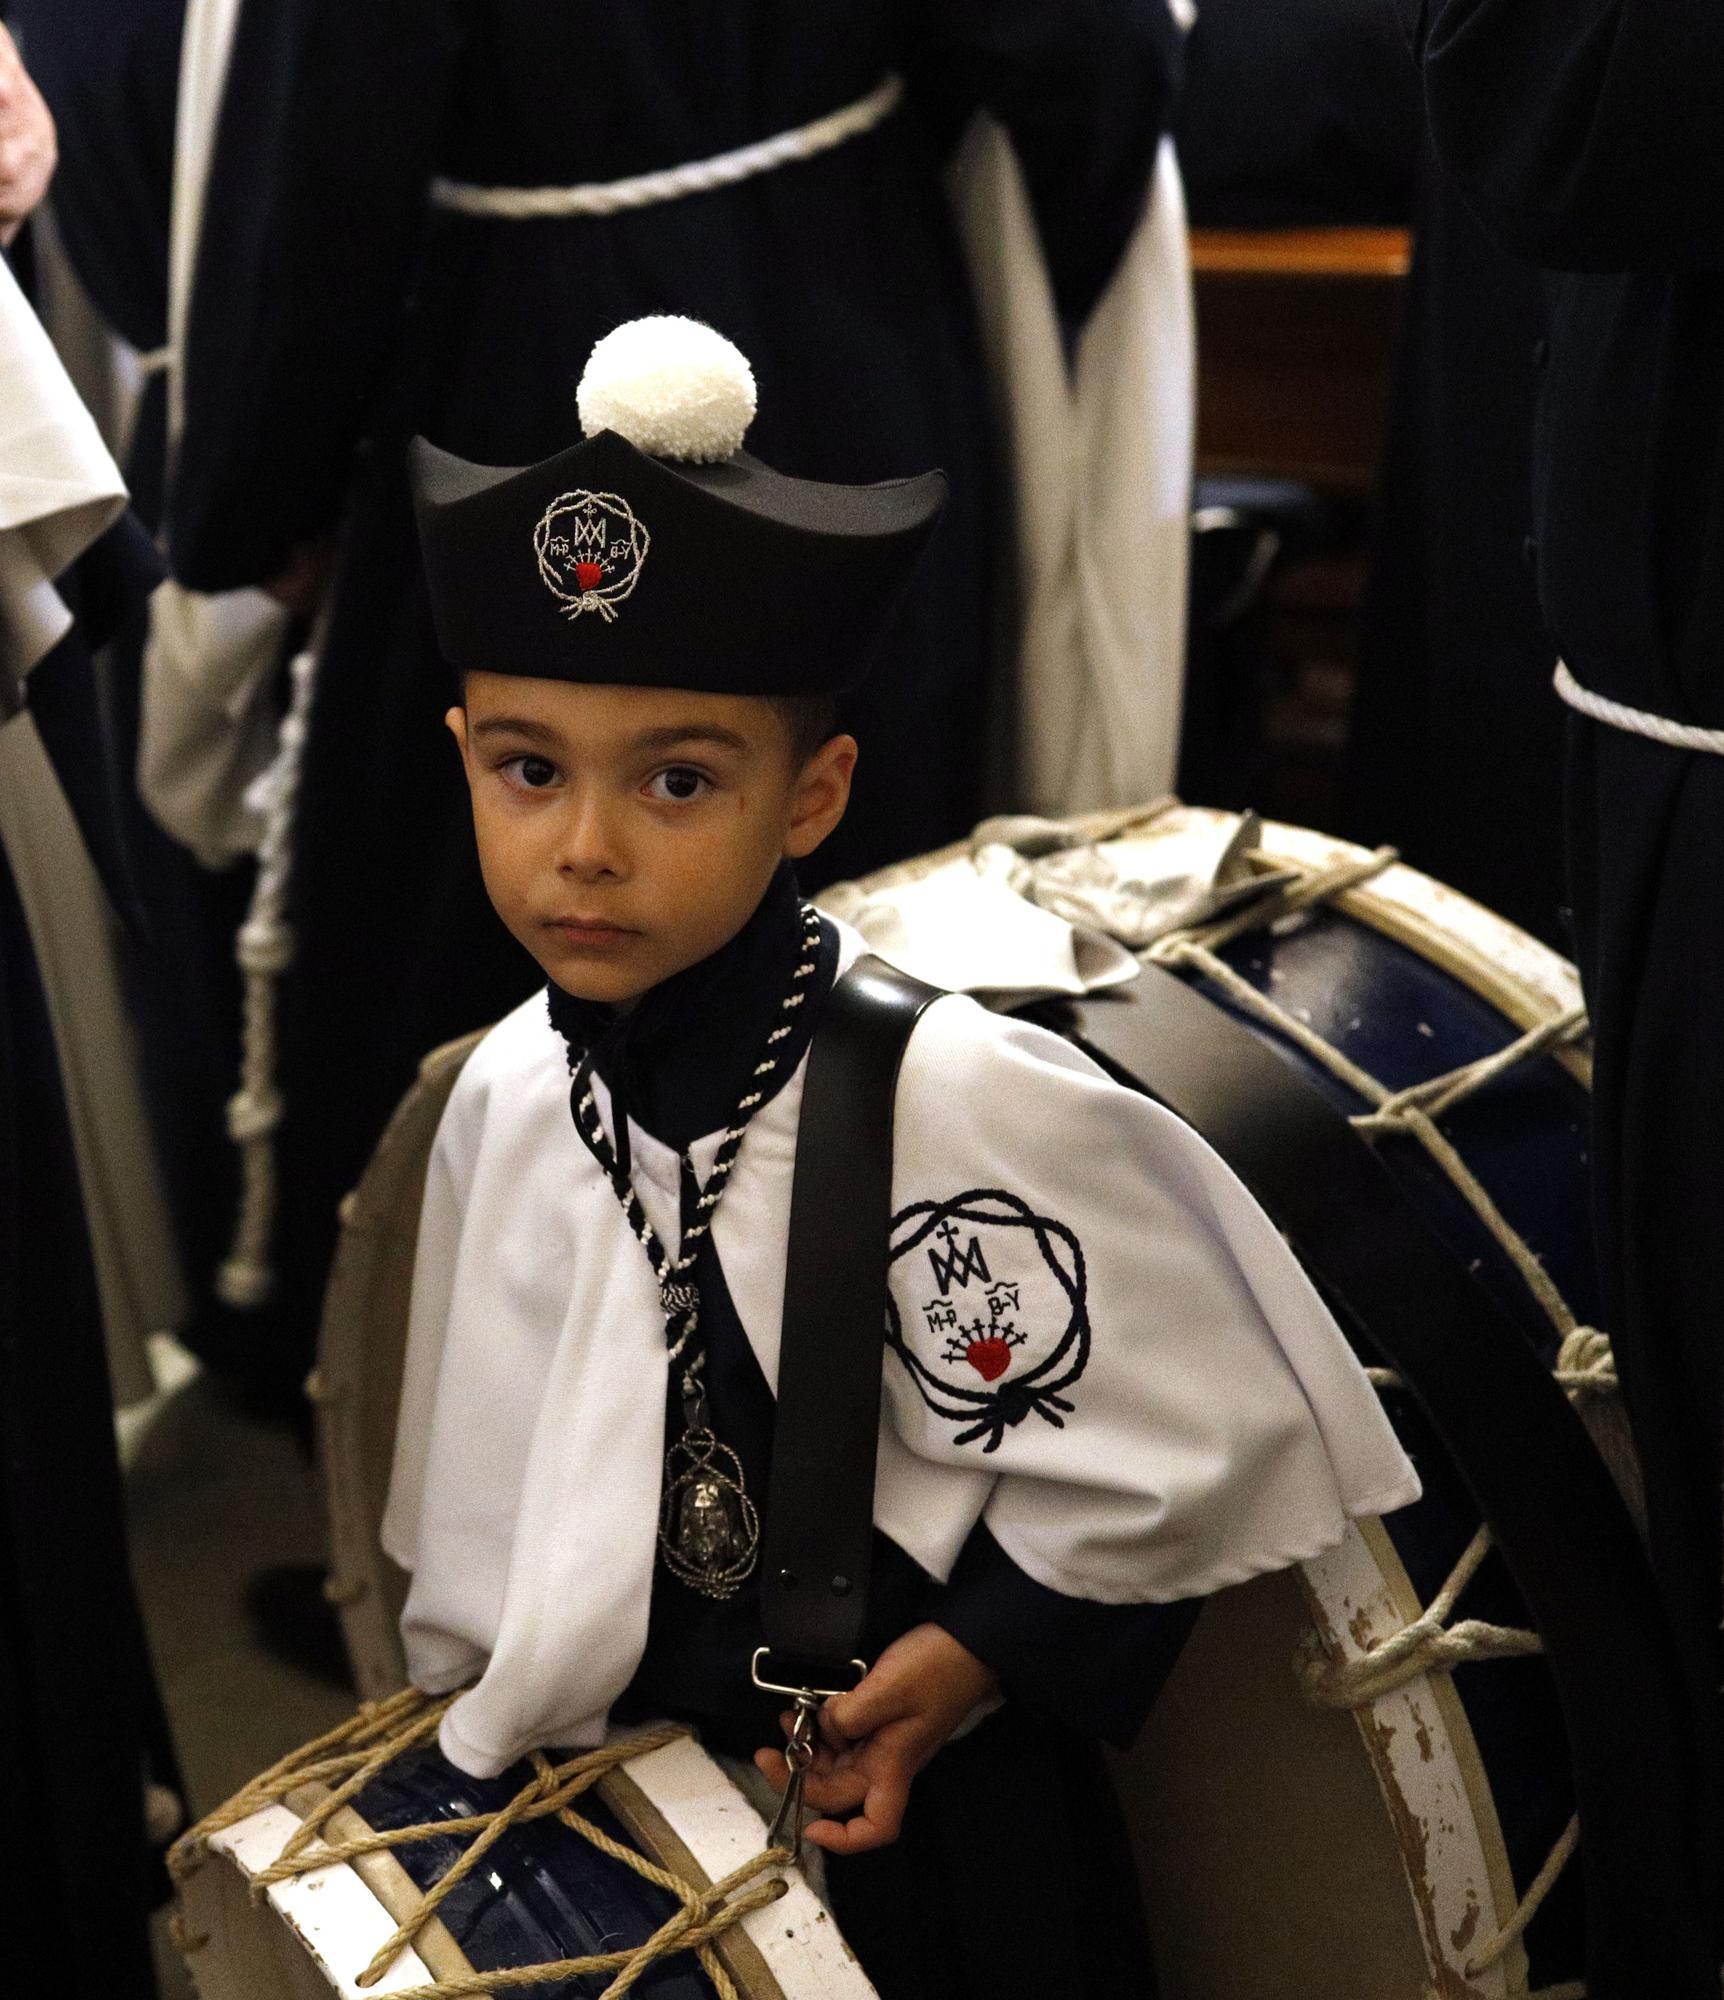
(1585, 1367)
(351, 1755)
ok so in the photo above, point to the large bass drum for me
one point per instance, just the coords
(1442, 1758)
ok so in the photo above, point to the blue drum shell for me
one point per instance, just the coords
(541, 1892)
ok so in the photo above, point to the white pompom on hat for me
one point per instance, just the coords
(672, 386)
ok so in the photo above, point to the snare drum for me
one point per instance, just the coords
(368, 1864)
(1359, 1783)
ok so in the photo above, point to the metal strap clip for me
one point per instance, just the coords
(786, 1828)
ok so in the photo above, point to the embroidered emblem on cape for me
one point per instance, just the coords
(590, 548)
(1001, 1323)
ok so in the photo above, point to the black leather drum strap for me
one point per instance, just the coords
(1539, 1484)
(820, 1502)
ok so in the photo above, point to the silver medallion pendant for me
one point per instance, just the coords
(708, 1528)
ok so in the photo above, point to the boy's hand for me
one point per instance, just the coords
(874, 1740)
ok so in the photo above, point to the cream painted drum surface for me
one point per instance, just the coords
(1358, 1784)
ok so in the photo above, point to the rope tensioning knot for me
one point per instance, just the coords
(1586, 1363)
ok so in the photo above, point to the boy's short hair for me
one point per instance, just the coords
(812, 720)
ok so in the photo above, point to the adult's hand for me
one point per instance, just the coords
(28, 148)
(303, 581)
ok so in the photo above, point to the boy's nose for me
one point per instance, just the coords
(590, 849)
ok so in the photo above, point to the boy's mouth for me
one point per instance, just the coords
(589, 930)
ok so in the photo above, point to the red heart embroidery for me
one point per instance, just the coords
(990, 1358)
(587, 574)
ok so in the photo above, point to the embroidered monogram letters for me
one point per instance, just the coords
(1005, 1326)
(589, 548)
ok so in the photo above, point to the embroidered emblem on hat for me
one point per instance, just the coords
(590, 548)
(1000, 1325)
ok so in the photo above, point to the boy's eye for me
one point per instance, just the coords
(678, 785)
(535, 773)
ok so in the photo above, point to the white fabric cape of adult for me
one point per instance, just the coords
(208, 720)
(1221, 1427)
(1101, 454)
(59, 491)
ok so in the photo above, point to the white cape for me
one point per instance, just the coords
(1187, 1414)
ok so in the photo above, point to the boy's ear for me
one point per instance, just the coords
(821, 796)
(455, 721)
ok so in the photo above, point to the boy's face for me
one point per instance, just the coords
(625, 832)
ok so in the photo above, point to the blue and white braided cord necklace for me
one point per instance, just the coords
(709, 1528)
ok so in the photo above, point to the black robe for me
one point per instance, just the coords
(335, 314)
(109, 72)
(1294, 114)
(1589, 141)
(1455, 745)
(81, 1722)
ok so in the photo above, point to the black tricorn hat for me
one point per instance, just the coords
(676, 560)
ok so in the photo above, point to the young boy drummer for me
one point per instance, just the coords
(1109, 1387)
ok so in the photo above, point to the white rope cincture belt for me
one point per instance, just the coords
(533, 204)
(1637, 721)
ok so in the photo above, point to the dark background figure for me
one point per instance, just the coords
(1455, 747)
(83, 1742)
(81, 1724)
(109, 70)
(336, 313)
(1296, 114)
(1588, 141)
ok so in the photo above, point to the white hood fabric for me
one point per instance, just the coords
(1099, 1344)
(59, 489)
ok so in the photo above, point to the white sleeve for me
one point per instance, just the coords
(1087, 1302)
(448, 1181)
